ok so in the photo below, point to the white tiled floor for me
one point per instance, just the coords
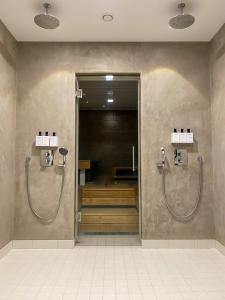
(112, 272)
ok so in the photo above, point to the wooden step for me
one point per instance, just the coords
(124, 201)
(109, 220)
(108, 195)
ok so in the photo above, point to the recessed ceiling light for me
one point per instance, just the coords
(109, 77)
(110, 100)
(107, 17)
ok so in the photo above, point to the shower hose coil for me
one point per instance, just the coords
(50, 217)
(185, 217)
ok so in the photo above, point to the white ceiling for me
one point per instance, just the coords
(134, 20)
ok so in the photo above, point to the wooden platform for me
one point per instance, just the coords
(110, 208)
(117, 195)
(109, 220)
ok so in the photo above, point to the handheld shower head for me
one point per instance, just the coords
(46, 20)
(63, 152)
(182, 20)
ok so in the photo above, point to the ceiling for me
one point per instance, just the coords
(134, 20)
(96, 92)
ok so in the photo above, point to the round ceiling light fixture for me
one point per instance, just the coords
(182, 20)
(107, 17)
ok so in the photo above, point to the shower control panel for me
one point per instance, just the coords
(180, 157)
(46, 158)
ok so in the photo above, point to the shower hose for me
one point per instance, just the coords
(51, 217)
(185, 217)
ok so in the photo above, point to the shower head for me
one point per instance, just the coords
(46, 20)
(182, 20)
(63, 151)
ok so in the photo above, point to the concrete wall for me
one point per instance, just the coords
(217, 61)
(174, 93)
(8, 93)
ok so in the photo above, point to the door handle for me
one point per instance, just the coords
(133, 158)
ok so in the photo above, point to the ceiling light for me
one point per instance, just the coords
(110, 100)
(109, 77)
(107, 17)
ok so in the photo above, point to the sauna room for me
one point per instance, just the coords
(108, 155)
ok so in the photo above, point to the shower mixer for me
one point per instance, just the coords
(46, 158)
(180, 157)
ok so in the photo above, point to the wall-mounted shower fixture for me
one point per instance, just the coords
(49, 218)
(162, 159)
(180, 157)
(182, 20)
(46, 158)
(63, 152)
(46, 20)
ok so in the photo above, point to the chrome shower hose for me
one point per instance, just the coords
(185, 217)
(51, 217)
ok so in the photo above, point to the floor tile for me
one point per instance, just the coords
(112, 267)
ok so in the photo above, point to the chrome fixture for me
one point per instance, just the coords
(162, 162)
(182, 161)
(46, 158)
(133, 158)
(46, 20)
(63, 152)
(180, 157)
(49, 218)
(182, 20)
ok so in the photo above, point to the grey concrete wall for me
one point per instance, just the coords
(217, 63)
(8, 93)
(174, 93)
